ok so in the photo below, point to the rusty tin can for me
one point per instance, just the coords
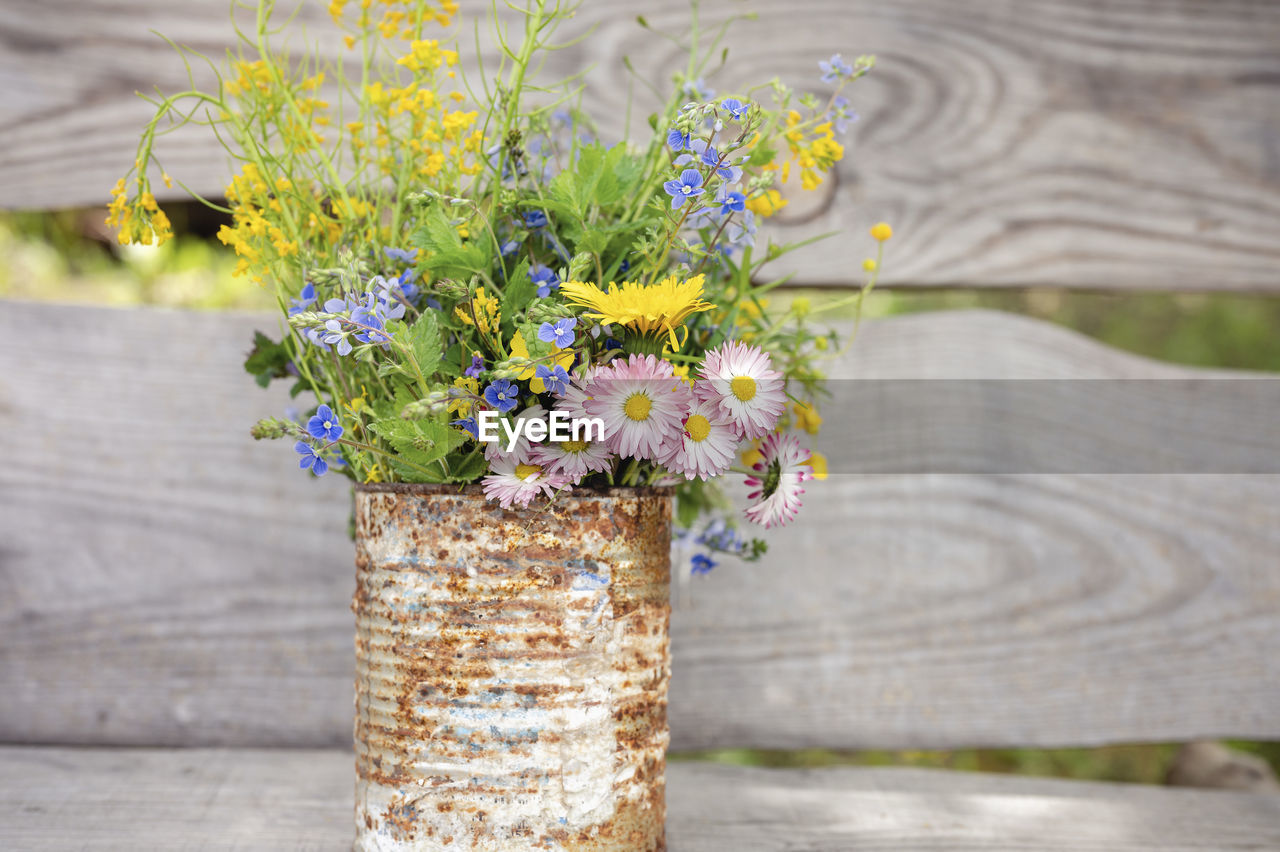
(511, 670)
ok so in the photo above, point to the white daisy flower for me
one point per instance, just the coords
(573, 459)
(707, 444)
(641, 402)
(522, 451)
(741, 380)
(776, 487)
(514, 483)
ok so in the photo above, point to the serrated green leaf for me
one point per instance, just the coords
(424, 338)
(267, 360)
(445, 253)
(422, 442)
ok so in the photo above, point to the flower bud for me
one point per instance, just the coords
(547, 310)
(270, 428)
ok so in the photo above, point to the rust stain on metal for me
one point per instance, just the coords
(511, 671)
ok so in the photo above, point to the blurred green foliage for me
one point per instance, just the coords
(68, 257)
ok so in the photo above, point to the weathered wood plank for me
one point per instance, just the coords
(168, 581)
(69, 799)
(1129, 144)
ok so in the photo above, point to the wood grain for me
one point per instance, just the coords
(1099, 144)
(166, 581)
(54, 799)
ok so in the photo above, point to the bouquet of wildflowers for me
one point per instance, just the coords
(474, 288)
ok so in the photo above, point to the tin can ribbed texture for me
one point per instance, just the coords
(511, 670)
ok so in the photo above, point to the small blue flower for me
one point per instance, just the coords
(561, 334)
(502, 395)
(689, 185)
(718, 535)
(612, 343)
(311, 459)
(702, 563)
(841, 114)
(402, 255)
(709, 156)
(468, 424)
(545, 278)
(731, 202)
(476, 368)
(509, 247)
(677, 141)
(562, 117)
(323, 425)
(698, 90)
(834, 69)
(535, 219)
(305, 299)
(555, 378)
(735, 108)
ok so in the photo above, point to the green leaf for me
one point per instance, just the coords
(446, 254)
(413, 474)
(467, 468)
(517, 294)
(267, 360)
(422, 442)
(424, 339)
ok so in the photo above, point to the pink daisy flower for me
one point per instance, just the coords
(516, 484)
(707, 444)
(573, 459)
(783, 466)
(642, 403)
(574, 399)
(522, 451)
(741, 380)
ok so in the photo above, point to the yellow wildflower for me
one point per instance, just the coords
(654, 310)
(559, 358)
(462, 405)
(818, 462)
(766, 203)
(484, 310)
(807, 417)
(881, 231)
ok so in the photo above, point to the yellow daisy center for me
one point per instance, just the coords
(637, 407)
(743, 387)
(524, 471)
(698, 427)
(573, 446)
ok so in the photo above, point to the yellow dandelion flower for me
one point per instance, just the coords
(656, 310)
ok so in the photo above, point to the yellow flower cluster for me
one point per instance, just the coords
(484, 313)
(815, 150)
(766, 203)
(260, 213)
(462, 405)
(434, 137)
(140, 220)
(403, 18)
